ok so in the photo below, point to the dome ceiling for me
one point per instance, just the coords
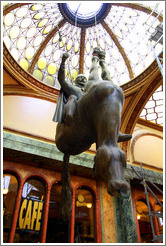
(37, 34)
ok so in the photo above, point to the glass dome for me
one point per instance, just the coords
(80, 9)
(37, 34)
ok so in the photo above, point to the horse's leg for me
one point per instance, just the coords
(105, 74)
(94, 68)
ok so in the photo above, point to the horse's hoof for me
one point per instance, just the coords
(96, 51)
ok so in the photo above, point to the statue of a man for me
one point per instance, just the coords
(72, 92)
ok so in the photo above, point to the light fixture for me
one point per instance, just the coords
(5, 191)
(89, 205)
(138, 216)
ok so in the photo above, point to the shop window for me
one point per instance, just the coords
(159, 209)
(144, 222)
(57, 228)
(31, 211)
(10, 187)
(84, 216)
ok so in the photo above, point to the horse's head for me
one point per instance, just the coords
(117, 185)
(110, 164)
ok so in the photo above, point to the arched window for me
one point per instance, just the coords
(30, 216)
(84, 216)
(144, 222)
(57, 228)
(10, 187)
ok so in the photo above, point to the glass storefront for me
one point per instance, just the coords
(57, 228)
(84, 216)
(10, 187)
(31, 215)
(31, 212)
(144, 222)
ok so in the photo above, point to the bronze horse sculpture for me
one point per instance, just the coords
(96, 119)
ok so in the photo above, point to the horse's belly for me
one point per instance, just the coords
(74, 139)
(101, 90)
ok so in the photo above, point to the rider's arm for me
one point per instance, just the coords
(61, 72)
(66, 87)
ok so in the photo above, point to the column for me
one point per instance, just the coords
(45, 218)
(72, 220)
(125, 220)
(15, 215)
(98, 214)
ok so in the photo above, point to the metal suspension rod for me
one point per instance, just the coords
(149, 209)
(154, 195)
(155, 186)
(97, 40)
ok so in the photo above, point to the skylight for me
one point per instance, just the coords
(84, 9)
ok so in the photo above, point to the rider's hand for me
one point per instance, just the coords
(65, 56)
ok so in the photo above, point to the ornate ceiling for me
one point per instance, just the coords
(36, 35)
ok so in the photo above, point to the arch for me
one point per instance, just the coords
(30, 216)
(14, 173)
(11, 187)
(82, 185)
(57, 228)
(133, 143)
(86, 229)
(59, 180)
(136, 104)
(39, 177)
(142, 223)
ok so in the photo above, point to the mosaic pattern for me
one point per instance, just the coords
(153, 110)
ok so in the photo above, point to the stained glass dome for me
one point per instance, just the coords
(37, 34)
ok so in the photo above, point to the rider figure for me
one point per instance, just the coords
(72, 92)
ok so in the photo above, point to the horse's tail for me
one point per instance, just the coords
(66, 193)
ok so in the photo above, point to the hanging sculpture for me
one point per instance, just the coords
(92, 114)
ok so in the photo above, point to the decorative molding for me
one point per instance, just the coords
(24, 77)
(153, 176)
(9, 90)
(135, 106)
(47, 155)
(135, 84)
(133, 141)
(11, 7)
(150, 124)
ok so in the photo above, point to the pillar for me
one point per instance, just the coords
(15, 214)
(45, 217)
(72, 220)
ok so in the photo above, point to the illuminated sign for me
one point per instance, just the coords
(30, 215)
